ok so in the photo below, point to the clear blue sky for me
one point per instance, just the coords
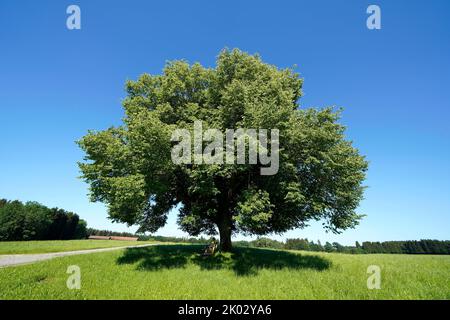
(393, 83)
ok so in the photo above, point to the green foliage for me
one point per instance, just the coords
(3, 202)
(315, 246)
(338, 247)
(143, 237)
(130, 169)
(191, 240)
(266, 243)
(297, 244)
(398, 247)
(11, 221)
(80, 230)
(97, 232)
(37, 221)
(410, 247)
(20, 221)
(328, 247)
(33, 221)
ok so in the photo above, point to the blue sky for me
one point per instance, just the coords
(393, 84)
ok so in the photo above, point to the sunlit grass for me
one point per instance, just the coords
(179, 272)
(25, 247)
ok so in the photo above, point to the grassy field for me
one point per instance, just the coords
(179, 272)
(24, 247)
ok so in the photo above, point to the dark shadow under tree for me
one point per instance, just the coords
(243, 261)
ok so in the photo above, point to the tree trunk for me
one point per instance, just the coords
(225, 234)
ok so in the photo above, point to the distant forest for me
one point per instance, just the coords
(34, 221)
(398, 247)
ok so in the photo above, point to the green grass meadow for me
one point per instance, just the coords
(180, 272)
(28, 247)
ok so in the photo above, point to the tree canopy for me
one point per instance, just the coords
(129, 167)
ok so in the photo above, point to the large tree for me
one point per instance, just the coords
(130, 168)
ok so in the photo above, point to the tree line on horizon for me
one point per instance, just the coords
(367, 247)
(34, 221)
(142, 237)
(393, 247)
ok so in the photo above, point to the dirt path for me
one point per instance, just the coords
(18, 259)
